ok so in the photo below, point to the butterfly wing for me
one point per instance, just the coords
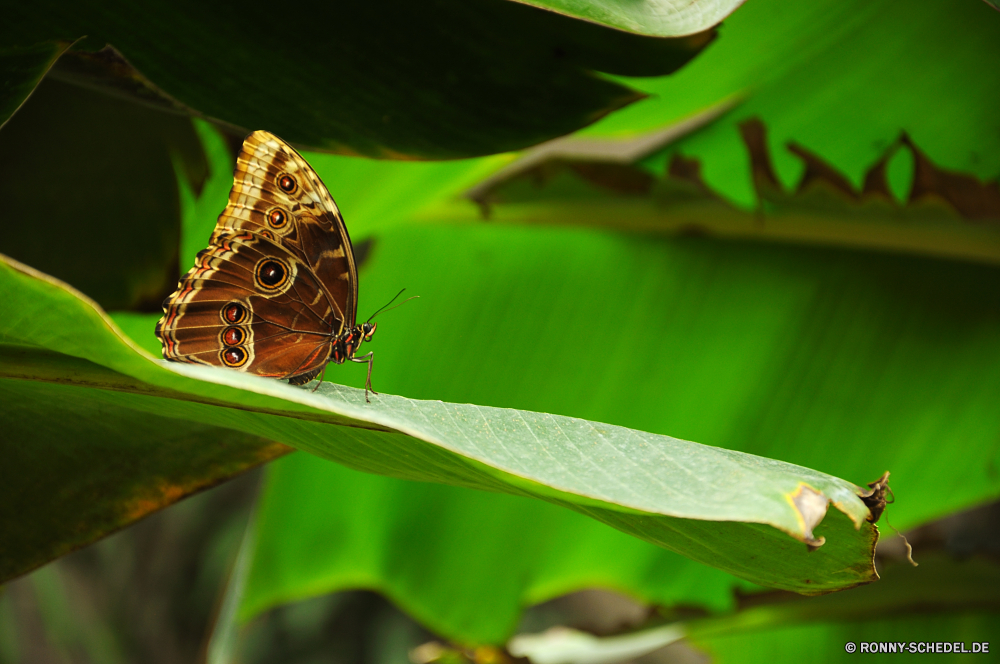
(252, 305)
(278, 195)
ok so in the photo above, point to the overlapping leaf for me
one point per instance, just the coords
(597, 184)
(840, 360)
(841, 79)
(665, 18)
(440, 552)
(816, 355)
(400, 80)
(706, 345)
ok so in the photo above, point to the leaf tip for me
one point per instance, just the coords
(874, 497)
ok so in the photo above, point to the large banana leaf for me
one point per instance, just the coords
(818, 355)
(843, 80)
(654, 17)
(852, 362)
(398, 80)
(732, 510)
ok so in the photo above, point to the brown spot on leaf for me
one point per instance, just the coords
(876, 182)
(542, 163)
(970, 197)
(686, 169)
(820, 173)
(155, 497)
(754, 135)
(964, 193)
(622, 178)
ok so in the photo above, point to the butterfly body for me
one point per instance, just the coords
(275, 293)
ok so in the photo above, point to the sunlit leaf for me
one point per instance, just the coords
(665, 18)
(600, 184)
(441, 552)
(841, 79)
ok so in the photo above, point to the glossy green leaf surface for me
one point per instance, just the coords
(405, 81)
(818, 355)
(857, 376)
(664, 18)
(439, 552)
(715, 505)
(842, 79)
(947, 215)
(840, 360)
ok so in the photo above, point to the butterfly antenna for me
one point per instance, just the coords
(390, 302)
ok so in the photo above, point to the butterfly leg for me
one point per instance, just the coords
(322, 375)
(369, 358)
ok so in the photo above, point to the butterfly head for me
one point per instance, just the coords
(367, 330)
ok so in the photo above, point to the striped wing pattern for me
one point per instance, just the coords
(277, 283)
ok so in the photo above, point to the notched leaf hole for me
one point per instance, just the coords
(963, 193)
(811, 506)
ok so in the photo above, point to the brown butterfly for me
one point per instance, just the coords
(276, 291)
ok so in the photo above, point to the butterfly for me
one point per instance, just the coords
(276, 291)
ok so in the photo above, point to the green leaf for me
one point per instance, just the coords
(78, 468)
(663, 18)
(729, 509)
(587, 182)
(795, 353)
(943, 600)
(442, 552)
(21, 69)
(99, 171)
(852, 362)
(841, 79)
(822, 139)
(907, 605)
(391, 81)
